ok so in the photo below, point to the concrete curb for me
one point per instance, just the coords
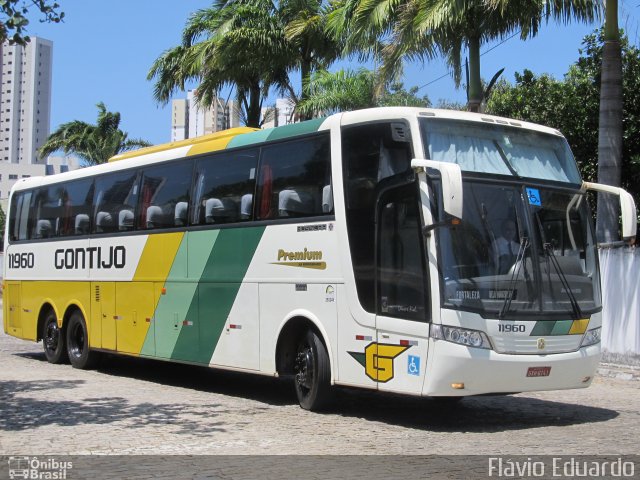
(618, 371)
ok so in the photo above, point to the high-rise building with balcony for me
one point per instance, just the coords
(25, 100)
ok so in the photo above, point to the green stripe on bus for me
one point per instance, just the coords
(249, 138)
(219, 284)
(562, 327)
(173, 307)
(542, 328)
(302, 128)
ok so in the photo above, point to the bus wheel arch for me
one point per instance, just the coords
(45, 310)
(301, 351)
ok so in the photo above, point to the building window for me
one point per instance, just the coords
(13, 177)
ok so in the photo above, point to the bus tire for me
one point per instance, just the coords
(54, 340)
(312, 373)
(78, 350)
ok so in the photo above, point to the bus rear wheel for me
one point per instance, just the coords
(78, 350)
(312, 373)
(53, 340)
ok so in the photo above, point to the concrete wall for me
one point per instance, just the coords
(620, 269)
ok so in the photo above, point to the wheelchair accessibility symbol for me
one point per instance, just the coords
(413, 365)
(533, 194)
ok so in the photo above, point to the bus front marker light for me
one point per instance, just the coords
(591, 337)
(457, 386)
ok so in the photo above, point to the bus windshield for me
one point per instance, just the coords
(499, 150)
(520, 251)
(509, 257)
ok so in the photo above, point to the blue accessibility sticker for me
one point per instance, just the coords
(533, 194)
(413, 365)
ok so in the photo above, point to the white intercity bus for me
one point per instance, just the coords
(416, 251)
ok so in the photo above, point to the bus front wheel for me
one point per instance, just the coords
(78, 350)
(53, 340)
(312, 373)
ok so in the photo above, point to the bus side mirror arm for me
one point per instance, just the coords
(627, 206)
(451, 175)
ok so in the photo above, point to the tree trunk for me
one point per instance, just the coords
(475, 83)
(305, 72)
(253, 111)
(610, 127)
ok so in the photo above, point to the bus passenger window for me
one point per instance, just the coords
(164, 188)
(46, 212)
(76, 199)
(19, 216)
(115, 193)
(293, 178)
(225, 184)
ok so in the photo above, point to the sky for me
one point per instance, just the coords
(104, 49)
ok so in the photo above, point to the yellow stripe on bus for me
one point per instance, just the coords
(579, 326)
(157, 257)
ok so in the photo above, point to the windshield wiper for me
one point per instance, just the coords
(551, 256)
(548, 248)
(519, 263)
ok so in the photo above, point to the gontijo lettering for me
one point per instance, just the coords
(92, 257)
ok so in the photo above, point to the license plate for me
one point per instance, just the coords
(538, 371)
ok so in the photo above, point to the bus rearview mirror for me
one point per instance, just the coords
(451, 176)
(627, 206)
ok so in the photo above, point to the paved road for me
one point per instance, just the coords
(135, 406)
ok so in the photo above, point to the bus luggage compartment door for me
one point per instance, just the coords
(14, 306)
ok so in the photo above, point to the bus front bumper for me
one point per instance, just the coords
(457, 370)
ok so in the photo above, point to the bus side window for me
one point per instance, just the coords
(293, 179)
(114, 193)
(75, 202)
(225, 187)
(164, 188)
(20, 209)
(46, 212)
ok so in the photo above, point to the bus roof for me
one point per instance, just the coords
(244, 136)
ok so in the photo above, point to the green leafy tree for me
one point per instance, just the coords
(422, 29)
(14, 21)
(572, 106)
(351, 90)
(315, 49)
(250, 45)
(397, 96)
(239, 44)
(94, 144)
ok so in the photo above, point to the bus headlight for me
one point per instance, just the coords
(591, 337)
(461, 336)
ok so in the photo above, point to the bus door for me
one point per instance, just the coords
(402, 304)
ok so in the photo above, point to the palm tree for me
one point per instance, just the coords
(304, 24)
(237, 43)
(251, 45)
(326, 92)
(94, 144)
(610, 126)
(350, 90)
(422, 29)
